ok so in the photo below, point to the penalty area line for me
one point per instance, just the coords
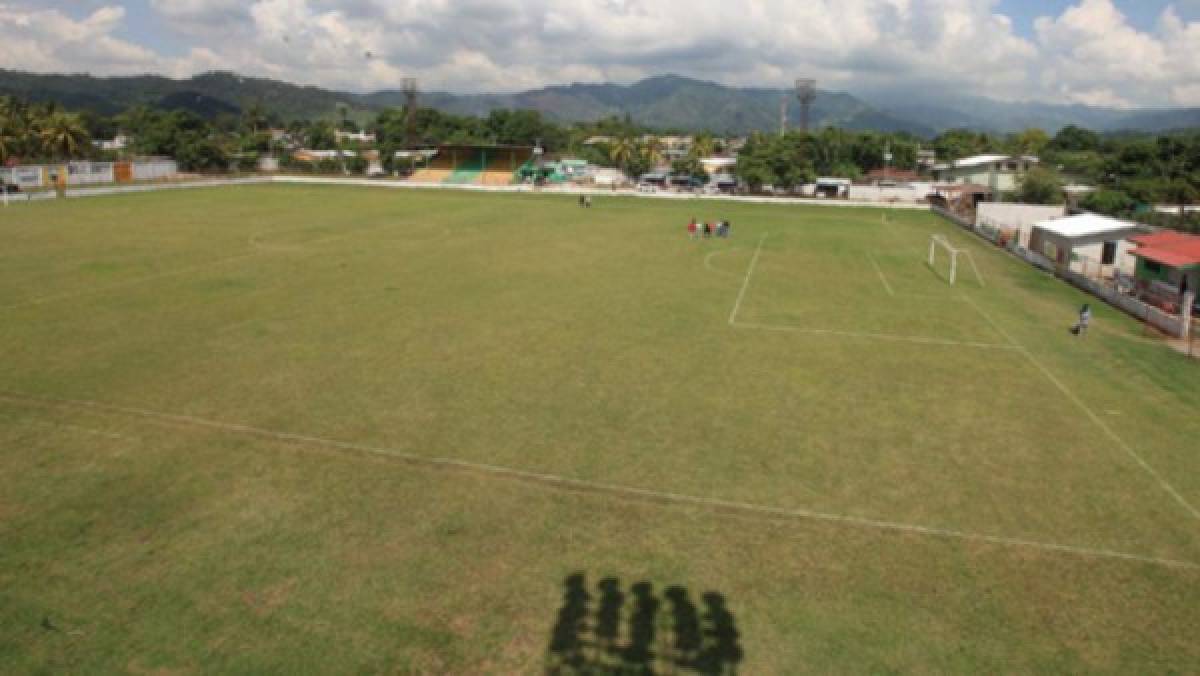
(746, 283)
(600, 488)
(920, 340)
(1087, 410)
(882, 278)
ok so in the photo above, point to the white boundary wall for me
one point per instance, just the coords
(1015, 217)
(154, 170)
(86, 173)
(25, 177)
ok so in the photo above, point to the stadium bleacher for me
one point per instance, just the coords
(473, 165)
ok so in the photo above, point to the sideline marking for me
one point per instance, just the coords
(876, 336)
(879, 271)
(746, 284)
(1089, 412)
(583, 485)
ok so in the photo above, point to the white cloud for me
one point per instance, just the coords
(1090, 53)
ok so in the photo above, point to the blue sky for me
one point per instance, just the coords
(1143, 14)
(1126, 53)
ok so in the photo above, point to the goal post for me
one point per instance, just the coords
(939, 244)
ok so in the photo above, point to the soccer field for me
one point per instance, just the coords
(330, 429)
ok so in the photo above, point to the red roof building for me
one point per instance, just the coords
(1173, 249)
(1168, 262)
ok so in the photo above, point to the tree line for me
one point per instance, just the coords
(1130, 171)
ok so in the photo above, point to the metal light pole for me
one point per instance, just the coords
(806, 92)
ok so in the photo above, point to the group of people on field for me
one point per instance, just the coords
(706, 230)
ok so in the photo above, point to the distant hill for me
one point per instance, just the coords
(673, 102)
(207, 94)
(666, 102)
(985, 114)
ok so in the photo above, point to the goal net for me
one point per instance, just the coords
(949, 261)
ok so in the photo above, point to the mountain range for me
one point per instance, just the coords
(666, 102)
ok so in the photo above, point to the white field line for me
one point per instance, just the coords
(593, 487)
(921, 340)
(77, 428)
(708, 261)
(879, 271)
(1187, 506)
(746, 283)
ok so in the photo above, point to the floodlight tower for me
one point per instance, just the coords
(806, 92)
(409, 86)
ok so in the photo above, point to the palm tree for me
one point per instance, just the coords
(704, 146)
(7, 143)
(254, 117)
(622, 151)
(62, 135)
(18, 127)
(652, 151)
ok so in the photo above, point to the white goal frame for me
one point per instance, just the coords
(941, 242)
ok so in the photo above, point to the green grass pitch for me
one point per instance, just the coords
(330, 429)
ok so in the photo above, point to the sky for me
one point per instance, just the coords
(1121, 53)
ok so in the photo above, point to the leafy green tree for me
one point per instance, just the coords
(1032, 141)
(689, 166)
(1040, 186)
(703, 146)
(321, 136)
(1073, 138)
(1181, 193)
(956, 144)
(1110, 202)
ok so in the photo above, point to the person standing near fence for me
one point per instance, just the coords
(1085, 318)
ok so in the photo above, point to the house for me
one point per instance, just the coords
(359, 136)
(305, 155)
(608, 177)
(119, 142)
(718, 165)
(1089, 244)
(1000, 173)
(1168, 264)
(889, 176)
(838, 188)
(960, 198)
(673, 147)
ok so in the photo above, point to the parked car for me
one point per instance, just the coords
(10, 188)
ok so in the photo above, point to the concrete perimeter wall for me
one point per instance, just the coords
(1172, 325)
(1016, 218)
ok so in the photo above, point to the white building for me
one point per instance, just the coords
(1089, 244)
(1001, 173)
(360, 136)
(120, 142)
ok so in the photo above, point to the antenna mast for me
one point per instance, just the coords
(806, 93)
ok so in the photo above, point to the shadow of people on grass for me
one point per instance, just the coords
(639, 633)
